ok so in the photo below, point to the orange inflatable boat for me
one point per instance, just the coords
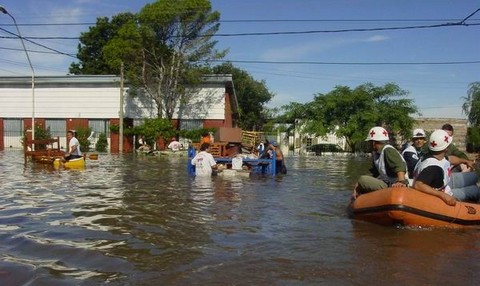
(409, 207)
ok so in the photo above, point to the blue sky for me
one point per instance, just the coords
(437, 89)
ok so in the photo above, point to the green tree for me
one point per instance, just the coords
(154, 129)
(352, 112)
(102, 143)
(252, 95)
(471, 106)
(165, 50)
(82, 135)
(90, 48)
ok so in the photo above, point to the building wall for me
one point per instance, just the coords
(209, 102)
(60, 102)
(2, 141)
(78, 99)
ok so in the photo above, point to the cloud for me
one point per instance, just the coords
(301, 50)
(376, 38)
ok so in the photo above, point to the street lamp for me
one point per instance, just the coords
(4, 11)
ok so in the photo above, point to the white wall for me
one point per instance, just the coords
(207, 103)
(60, 102)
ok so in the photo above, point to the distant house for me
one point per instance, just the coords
(302, 141)
(62, 103)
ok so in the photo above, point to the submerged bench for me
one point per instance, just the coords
(42, 149)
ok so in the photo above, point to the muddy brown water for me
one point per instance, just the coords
(128, 220)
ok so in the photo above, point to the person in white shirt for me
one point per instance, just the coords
(174, 145)
(204, 162)
(74, 147)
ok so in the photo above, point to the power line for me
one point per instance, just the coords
(32, 51)
(274, 21)
(448, 24)
(42, 38)
(280, 33)
(345, 63)
(38, 44)
(343, 30)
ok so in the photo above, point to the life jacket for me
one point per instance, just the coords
(446, 167)
(379, 162)
(411, 149)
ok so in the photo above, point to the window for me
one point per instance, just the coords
(98, 126)
(13, 127)
(191, 124)
(58, 127)
(309, 142)
(13, 133)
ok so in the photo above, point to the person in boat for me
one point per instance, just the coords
(414, 151)
(432, 174)
(389, 168)
(174, 145)
(453, 150)
(74, 151)
(204, 162)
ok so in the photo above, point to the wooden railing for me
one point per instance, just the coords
(42, 149)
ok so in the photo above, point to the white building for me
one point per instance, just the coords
(68, 102)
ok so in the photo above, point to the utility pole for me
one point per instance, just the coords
(120, 144)
(4, 11)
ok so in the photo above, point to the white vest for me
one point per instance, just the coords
(411, 149)
(379, 161)
(444, 164)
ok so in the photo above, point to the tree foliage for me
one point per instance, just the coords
(164, 49)
(352, 112)
(252, 95)
(473, 139)
(154, 129)
(471, 106)
(90, 49)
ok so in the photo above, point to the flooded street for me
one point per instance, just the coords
(128, 220)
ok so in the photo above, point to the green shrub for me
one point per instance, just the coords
(102, 143)
(82, 135)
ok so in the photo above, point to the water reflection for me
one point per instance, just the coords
(143, 220)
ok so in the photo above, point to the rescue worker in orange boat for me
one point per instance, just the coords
(389, 168)
(432, 174)
(415, 150)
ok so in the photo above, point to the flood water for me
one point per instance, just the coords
(128, 220)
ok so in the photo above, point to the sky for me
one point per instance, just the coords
(300, 48)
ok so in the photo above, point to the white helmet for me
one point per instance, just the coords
(439, 140)
(418, 133)
(377, 134)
